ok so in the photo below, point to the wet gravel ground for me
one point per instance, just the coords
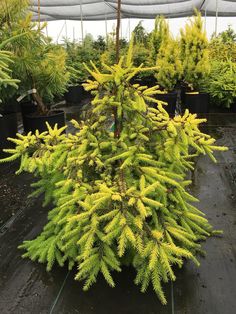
(26, 287)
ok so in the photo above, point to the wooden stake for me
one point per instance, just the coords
(216, 18)
(118, 31)
(129, 29)
(39, 13)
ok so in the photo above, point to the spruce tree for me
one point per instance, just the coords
(6, 60)
(194, 52)
(159, 35)
(118, 194)
(5, 72)
(170, 68)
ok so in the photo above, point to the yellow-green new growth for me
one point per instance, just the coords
(194, 51)
(170, 68)
(118, 195)
(158, 36)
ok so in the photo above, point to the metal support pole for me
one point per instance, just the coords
(81, 20)
(205, 19)
(106, 32)
(73, 34)
(118, 31)
(216, 19)
(47, 29)
(66, 30)
(60, 32)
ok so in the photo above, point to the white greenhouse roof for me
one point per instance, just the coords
(100, 10)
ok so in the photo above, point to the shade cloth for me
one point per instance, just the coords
(94, 10)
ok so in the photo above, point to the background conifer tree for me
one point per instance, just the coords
(170, 68)
(194, 52)
(159, 34)
(122, 193)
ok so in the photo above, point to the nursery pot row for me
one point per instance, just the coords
(196, 103)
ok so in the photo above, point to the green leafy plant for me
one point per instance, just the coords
(77, 54)
(221, 83)
(194, 52)
(223, 47)
(109, 55)
(228, 35)
(170, 68)
(118, 195)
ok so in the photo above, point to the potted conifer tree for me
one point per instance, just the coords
(221, 82)
(196, 65)
(159, 34)
(74, 93)
(163, 54)
(169, 72)
(38, 64)
(119, 195)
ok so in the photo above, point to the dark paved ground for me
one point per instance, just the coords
(26, 288)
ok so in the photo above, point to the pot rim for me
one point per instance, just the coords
(54, 114)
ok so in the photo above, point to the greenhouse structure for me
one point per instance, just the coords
(118, 157)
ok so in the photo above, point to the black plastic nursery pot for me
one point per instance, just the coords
(74, 95)
(8, 128)
(215, 108)
(35, 122)
(27, 107)
(170, 99)
(148, 81)
(233, 106)
(12, 106)
(197, 103)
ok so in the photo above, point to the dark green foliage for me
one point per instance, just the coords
(228, 35)
(221, 83)
(100, 44)
(79, 53)
(140, 34)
